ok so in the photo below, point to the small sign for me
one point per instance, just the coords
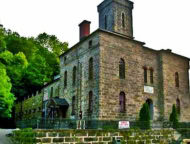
(124, 124)
(149, 89)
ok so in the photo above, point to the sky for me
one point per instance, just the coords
(161, 24)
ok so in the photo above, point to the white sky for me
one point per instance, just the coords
(161, 24)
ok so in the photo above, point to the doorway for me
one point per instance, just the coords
(151, 108)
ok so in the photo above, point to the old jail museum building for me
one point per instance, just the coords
(108, 75)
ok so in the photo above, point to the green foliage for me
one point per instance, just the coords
(6, 97)
(30, 62)
(144, 116)
(52, 43)
(26, 64)
(25, 136)
(15, 66)
(174, 117)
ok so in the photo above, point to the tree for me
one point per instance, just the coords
(144, 116)
(6, 97)
(2, 41)
(52, 43)
(174, 117)
(15, 66)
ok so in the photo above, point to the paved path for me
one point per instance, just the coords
(3, 138)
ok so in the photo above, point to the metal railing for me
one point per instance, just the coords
(42, 123)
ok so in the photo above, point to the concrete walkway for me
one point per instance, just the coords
(3, 138)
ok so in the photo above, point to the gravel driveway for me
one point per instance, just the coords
(3, 138)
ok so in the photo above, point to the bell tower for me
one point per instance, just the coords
(116, 16)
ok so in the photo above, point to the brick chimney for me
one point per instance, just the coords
(84, 28)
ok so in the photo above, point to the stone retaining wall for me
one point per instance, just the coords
(97, 136)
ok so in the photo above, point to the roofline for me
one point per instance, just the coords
(100, 30)
(120, 35)
(51, 82)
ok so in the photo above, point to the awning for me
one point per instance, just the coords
(61, 101)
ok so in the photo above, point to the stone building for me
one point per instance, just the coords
(108, 75)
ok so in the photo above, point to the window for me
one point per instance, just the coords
(176, 79)
(51, 95)
(90, 43)
(73, 106)
(123, 20)
(74, 75)
(91, 69)
(106, 25)
(151, 75)
(145, 75)
(122, 102)
(90, 106)
(65, 79)
(65, 60)
(178, 106)
(122, 69)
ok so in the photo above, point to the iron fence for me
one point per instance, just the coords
(41, 123)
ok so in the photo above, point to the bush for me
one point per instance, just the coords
(174, 117)
(145, 116)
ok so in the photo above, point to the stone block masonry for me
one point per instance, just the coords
(100, 136)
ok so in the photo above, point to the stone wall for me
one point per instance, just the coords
(96, 136)
(30, 108)
(164, 63)
(79, 57)
(171, 64)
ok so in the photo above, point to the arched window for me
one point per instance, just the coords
(151, 76)
(73, 105)
(145, 75)
(122, 102)
(176, 79)
(106, 23)
(178, 106)
(74, 75)
(51, 95)
(65, 79)
(122, 69)
(90, 102)
(91, 69)
(123, 20)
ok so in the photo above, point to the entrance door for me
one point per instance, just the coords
(151, 108)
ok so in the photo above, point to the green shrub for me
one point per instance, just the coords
(174, 117)
(144, 116)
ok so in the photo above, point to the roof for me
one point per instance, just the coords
(99, 30)
(120, 35)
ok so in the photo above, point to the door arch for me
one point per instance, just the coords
(151, 108)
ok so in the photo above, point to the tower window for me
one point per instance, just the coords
(74, 75)
(90, 103)
(176, 79)
(73, 106)
(65, 79)
(91, 69)
(145, 75)
(151, 76)
(122, 69)
(106, 24)
(123, 20)
(122, 102)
